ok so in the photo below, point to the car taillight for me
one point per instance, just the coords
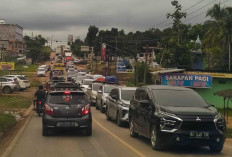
(14, 82)
(40, 102)
(48, 109)
(85, 109)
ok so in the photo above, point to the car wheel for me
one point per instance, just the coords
(132, 132)
(88, 131)
(101, 108)
(107, 115)
(119, 122)
(155, 142)
(45, 132)
(6, 90)
(217, 148)
(97, 107)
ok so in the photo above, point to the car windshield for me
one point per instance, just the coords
(107, 89)
(127, 94)
(96, 86)
(87, 82)
(22, 78)
(178, 98)
(62, 99)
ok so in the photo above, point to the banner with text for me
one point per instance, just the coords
(7, 65)
(187, 80)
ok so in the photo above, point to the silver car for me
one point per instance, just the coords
(102, 94)
(117, 104)
(92, 92)
(8, 85)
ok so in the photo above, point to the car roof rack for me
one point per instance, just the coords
(67, 86)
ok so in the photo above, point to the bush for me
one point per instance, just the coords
(6, 121)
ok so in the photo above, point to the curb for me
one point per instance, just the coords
(16, 138)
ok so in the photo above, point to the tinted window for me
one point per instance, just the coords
(96, 87)
(21, 78)
(87, 82)
(61, 98)
(107, 89)
(178, 98)
(127, 94)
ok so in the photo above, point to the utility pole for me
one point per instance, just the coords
(229, 50)
(115, 56)
(2, 52)
(145, 69)
(136, 67)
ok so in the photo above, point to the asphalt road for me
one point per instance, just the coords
(107, 140)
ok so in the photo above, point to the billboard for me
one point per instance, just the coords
(124, 66)
(85, 48)
(7, 65)
(186, 80)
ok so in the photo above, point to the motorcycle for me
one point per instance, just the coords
(39, 107)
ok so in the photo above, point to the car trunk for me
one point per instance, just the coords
(67, 105)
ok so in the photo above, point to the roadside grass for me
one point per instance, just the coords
(14, 102)
(35, 83)
(229, 132)
(6, 121)
(31, 68)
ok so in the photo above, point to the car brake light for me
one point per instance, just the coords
(48, 109)
(40, 102)
(67, 92)
(85, 109)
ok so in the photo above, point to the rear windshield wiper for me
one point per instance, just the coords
(64, 103)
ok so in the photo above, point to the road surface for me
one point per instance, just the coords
(107, 140)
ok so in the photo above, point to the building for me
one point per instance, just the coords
(11, 37)
(151, 53)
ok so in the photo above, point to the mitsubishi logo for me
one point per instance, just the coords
(198, 119)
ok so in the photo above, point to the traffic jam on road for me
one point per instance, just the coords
(164, 114)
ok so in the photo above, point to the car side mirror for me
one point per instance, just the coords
(115, 97)
(100, 91)
(211, 105)
(144, 103)
(88, 88)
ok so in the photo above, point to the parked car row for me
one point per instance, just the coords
(10, 83)
(41, 71)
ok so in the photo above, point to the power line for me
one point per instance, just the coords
(202, 7)
(184, 10)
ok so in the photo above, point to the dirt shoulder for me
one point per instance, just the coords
(7, 137)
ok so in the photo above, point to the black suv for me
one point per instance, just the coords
(67, 109)
(175, 115)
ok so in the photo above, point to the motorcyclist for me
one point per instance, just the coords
(40, 95)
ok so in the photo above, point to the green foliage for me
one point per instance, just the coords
(35, 83)
(141, 69)
(6, 121)
(31, 68)
(14, 102)
(76, 48)
(36, 49)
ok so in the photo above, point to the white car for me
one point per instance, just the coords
(85, 84)
(95, 77)
(41, 72)
(46, 67)
(23, 82)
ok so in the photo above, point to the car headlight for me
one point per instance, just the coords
(220, 123)
(169, 122)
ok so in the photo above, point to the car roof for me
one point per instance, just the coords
(126, 88)
(162, 87)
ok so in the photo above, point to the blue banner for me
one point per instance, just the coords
(187, 80)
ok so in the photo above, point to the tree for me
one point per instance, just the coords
(218, 37)
(91, 35)
(177, 16)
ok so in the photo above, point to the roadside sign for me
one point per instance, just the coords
(187, 80)
(85, 48)
(124, 66)
(7, 65)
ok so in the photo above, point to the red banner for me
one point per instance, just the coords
(103, 52)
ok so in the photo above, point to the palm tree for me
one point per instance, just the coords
(218, 37)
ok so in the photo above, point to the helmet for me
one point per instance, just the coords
(40, 86)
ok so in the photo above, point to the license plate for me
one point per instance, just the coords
(67, 124)
(198, 134)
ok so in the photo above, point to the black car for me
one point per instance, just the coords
(67, 109)
(175, 115)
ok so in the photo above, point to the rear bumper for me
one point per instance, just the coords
(50, 122)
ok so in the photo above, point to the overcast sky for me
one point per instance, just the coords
(59, 18)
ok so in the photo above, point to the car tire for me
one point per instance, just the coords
(107, 115)
(7, 90)
(118, 120)
(88, 131)
(101, 108)
(132, 132)
(155, 139)
(45, 132)
(216, 148)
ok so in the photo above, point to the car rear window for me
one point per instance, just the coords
(178, 98)
(22, 78)
(96, 87)
(64, 99)
(127, 94)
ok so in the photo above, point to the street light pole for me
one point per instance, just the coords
(145, 69)
(2, 52)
